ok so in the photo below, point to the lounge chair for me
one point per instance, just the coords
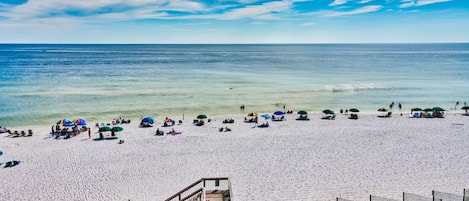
(329, 117)
(15, 134)
(353, 116)
(30, 133)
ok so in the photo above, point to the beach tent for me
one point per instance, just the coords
(148, 120)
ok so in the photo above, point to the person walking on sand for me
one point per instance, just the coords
(89, 132)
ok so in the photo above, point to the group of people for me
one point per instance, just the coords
(65, 131)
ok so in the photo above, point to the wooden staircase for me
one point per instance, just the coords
(205, 189)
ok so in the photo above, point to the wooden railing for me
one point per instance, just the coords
(201, 185)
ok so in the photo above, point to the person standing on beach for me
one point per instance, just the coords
(89, 132)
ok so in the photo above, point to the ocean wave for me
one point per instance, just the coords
(354, 87)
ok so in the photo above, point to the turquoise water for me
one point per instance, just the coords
(41, 83)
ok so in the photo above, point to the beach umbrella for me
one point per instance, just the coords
(427, 110)
(105, 128)
(383, 109)
(117, 129)
(266, 116)
(1, 153)
(302, 112)
(328, 111)
(252, 114)
(201, 116)
(438, 109)
(465, 108)
(65, 122)
(148, 119)
(416, 109)
(80, 122)
(168, 120)
(354, 110)
(279, 113)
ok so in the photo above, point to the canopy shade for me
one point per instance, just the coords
(201, 116)
(279, 113)
(302, 112)
(328, 111)
(383, 109)
(105, 128)
(117, 129)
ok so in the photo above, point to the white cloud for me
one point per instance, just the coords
(58, 8)
(366, 9)
(338, 2)
(263, 11)
(308, 24)
(365, 1)
(410, 3)
(426, 2)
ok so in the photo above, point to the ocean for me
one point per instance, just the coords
(41, 83)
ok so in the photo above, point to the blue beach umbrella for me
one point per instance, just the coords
(65, 122)
(266, 116)
(279, 113)
(1, 152)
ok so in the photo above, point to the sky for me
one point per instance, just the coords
(233, 21)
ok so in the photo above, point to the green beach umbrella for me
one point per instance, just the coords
(438, 109)
(465, 108)
(328, 111)
(117, 129)
(105, 128)
(202, 116)
(427, 109)
(354, 110)
(416, 109)
(302, 112)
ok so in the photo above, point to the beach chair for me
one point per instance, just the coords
(15, 134)
(30, 133)
(388, 114)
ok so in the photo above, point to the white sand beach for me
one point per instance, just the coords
(290, 160)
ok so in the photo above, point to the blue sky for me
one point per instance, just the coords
(234, 21)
